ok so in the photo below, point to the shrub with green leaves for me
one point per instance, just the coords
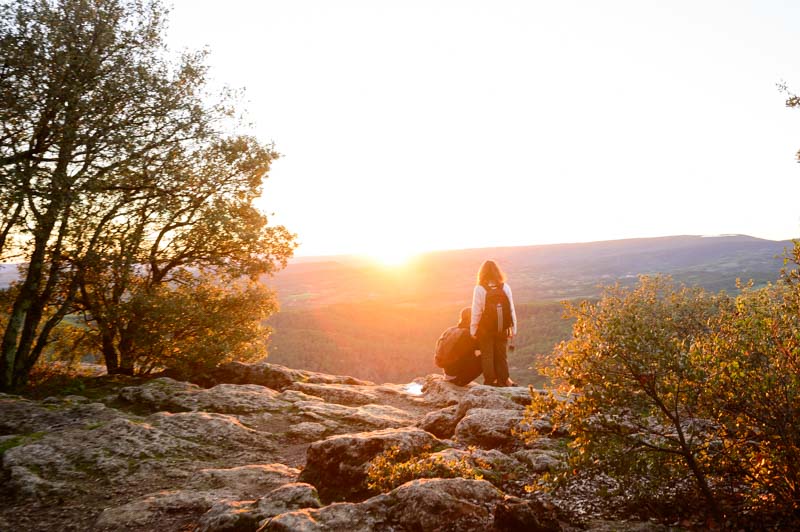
(752, 392)
(634, 409)
(390, 469)
(671, 391)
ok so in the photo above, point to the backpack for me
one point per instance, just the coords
(496, 318)
(451, 346)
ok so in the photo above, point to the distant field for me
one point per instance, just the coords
(343, 315)
(394, 343)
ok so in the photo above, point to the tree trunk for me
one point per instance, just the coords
(27, 301)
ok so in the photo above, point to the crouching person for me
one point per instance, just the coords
(456, 352)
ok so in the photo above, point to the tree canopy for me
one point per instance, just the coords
(119, 175)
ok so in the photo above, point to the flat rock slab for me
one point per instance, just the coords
(343, 394)
(366, 416)
(174, 396)
(206, 488)
(276, 376)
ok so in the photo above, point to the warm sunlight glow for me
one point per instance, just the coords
(392, 256)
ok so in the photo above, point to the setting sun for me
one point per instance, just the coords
(391, 256)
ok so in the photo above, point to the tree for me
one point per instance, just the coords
(98, 127)
(201, 228)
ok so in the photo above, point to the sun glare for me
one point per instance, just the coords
(392, 257)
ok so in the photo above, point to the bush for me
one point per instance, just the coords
(390, 469)
(192, 328)
(753, 393)
(665, 389)
(633, 410)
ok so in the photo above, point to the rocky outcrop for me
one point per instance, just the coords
(441, 423)
(269, 447)
(174, 396)
(427, 504)
(488, 428)
(250, 515)
(205, 490)
(338, 465)
(275, 376)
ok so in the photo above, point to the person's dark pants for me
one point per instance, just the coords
(493, 359)
(465, 370)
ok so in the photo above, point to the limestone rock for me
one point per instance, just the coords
(219, 430)
(109, 449)
(487, 428)
(167, 394)
(229, 516)
(23, 416)
(529, 515)
(249, 482)
(426, 504)
(249, 515)
(491, 397)
(275, 376)
(144, 511)
(338, 465)
(436, 391)
(308, 431)
(441, 423)
(287, 498)
(343, 394)
(371, 416)
(158, 393)
(540, 461)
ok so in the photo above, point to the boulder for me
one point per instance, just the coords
(488, 428)
(540, 460)
(494, 398)
(337, 466)
(530, 515)
(426, 504)
(441, 423)
(436, 391)
(275, 376)
(249, 515)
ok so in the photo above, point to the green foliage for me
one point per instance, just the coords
(195, 327)
(393, 468)
(115, 175)
(664, 386)
(634, 408)
(753, 394)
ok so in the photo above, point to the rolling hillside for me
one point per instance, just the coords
(347, 315)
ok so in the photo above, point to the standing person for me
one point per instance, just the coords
(494, 322)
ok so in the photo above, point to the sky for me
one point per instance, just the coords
(407, 126)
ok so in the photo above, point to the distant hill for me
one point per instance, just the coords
(551, 272)
(347, 315)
